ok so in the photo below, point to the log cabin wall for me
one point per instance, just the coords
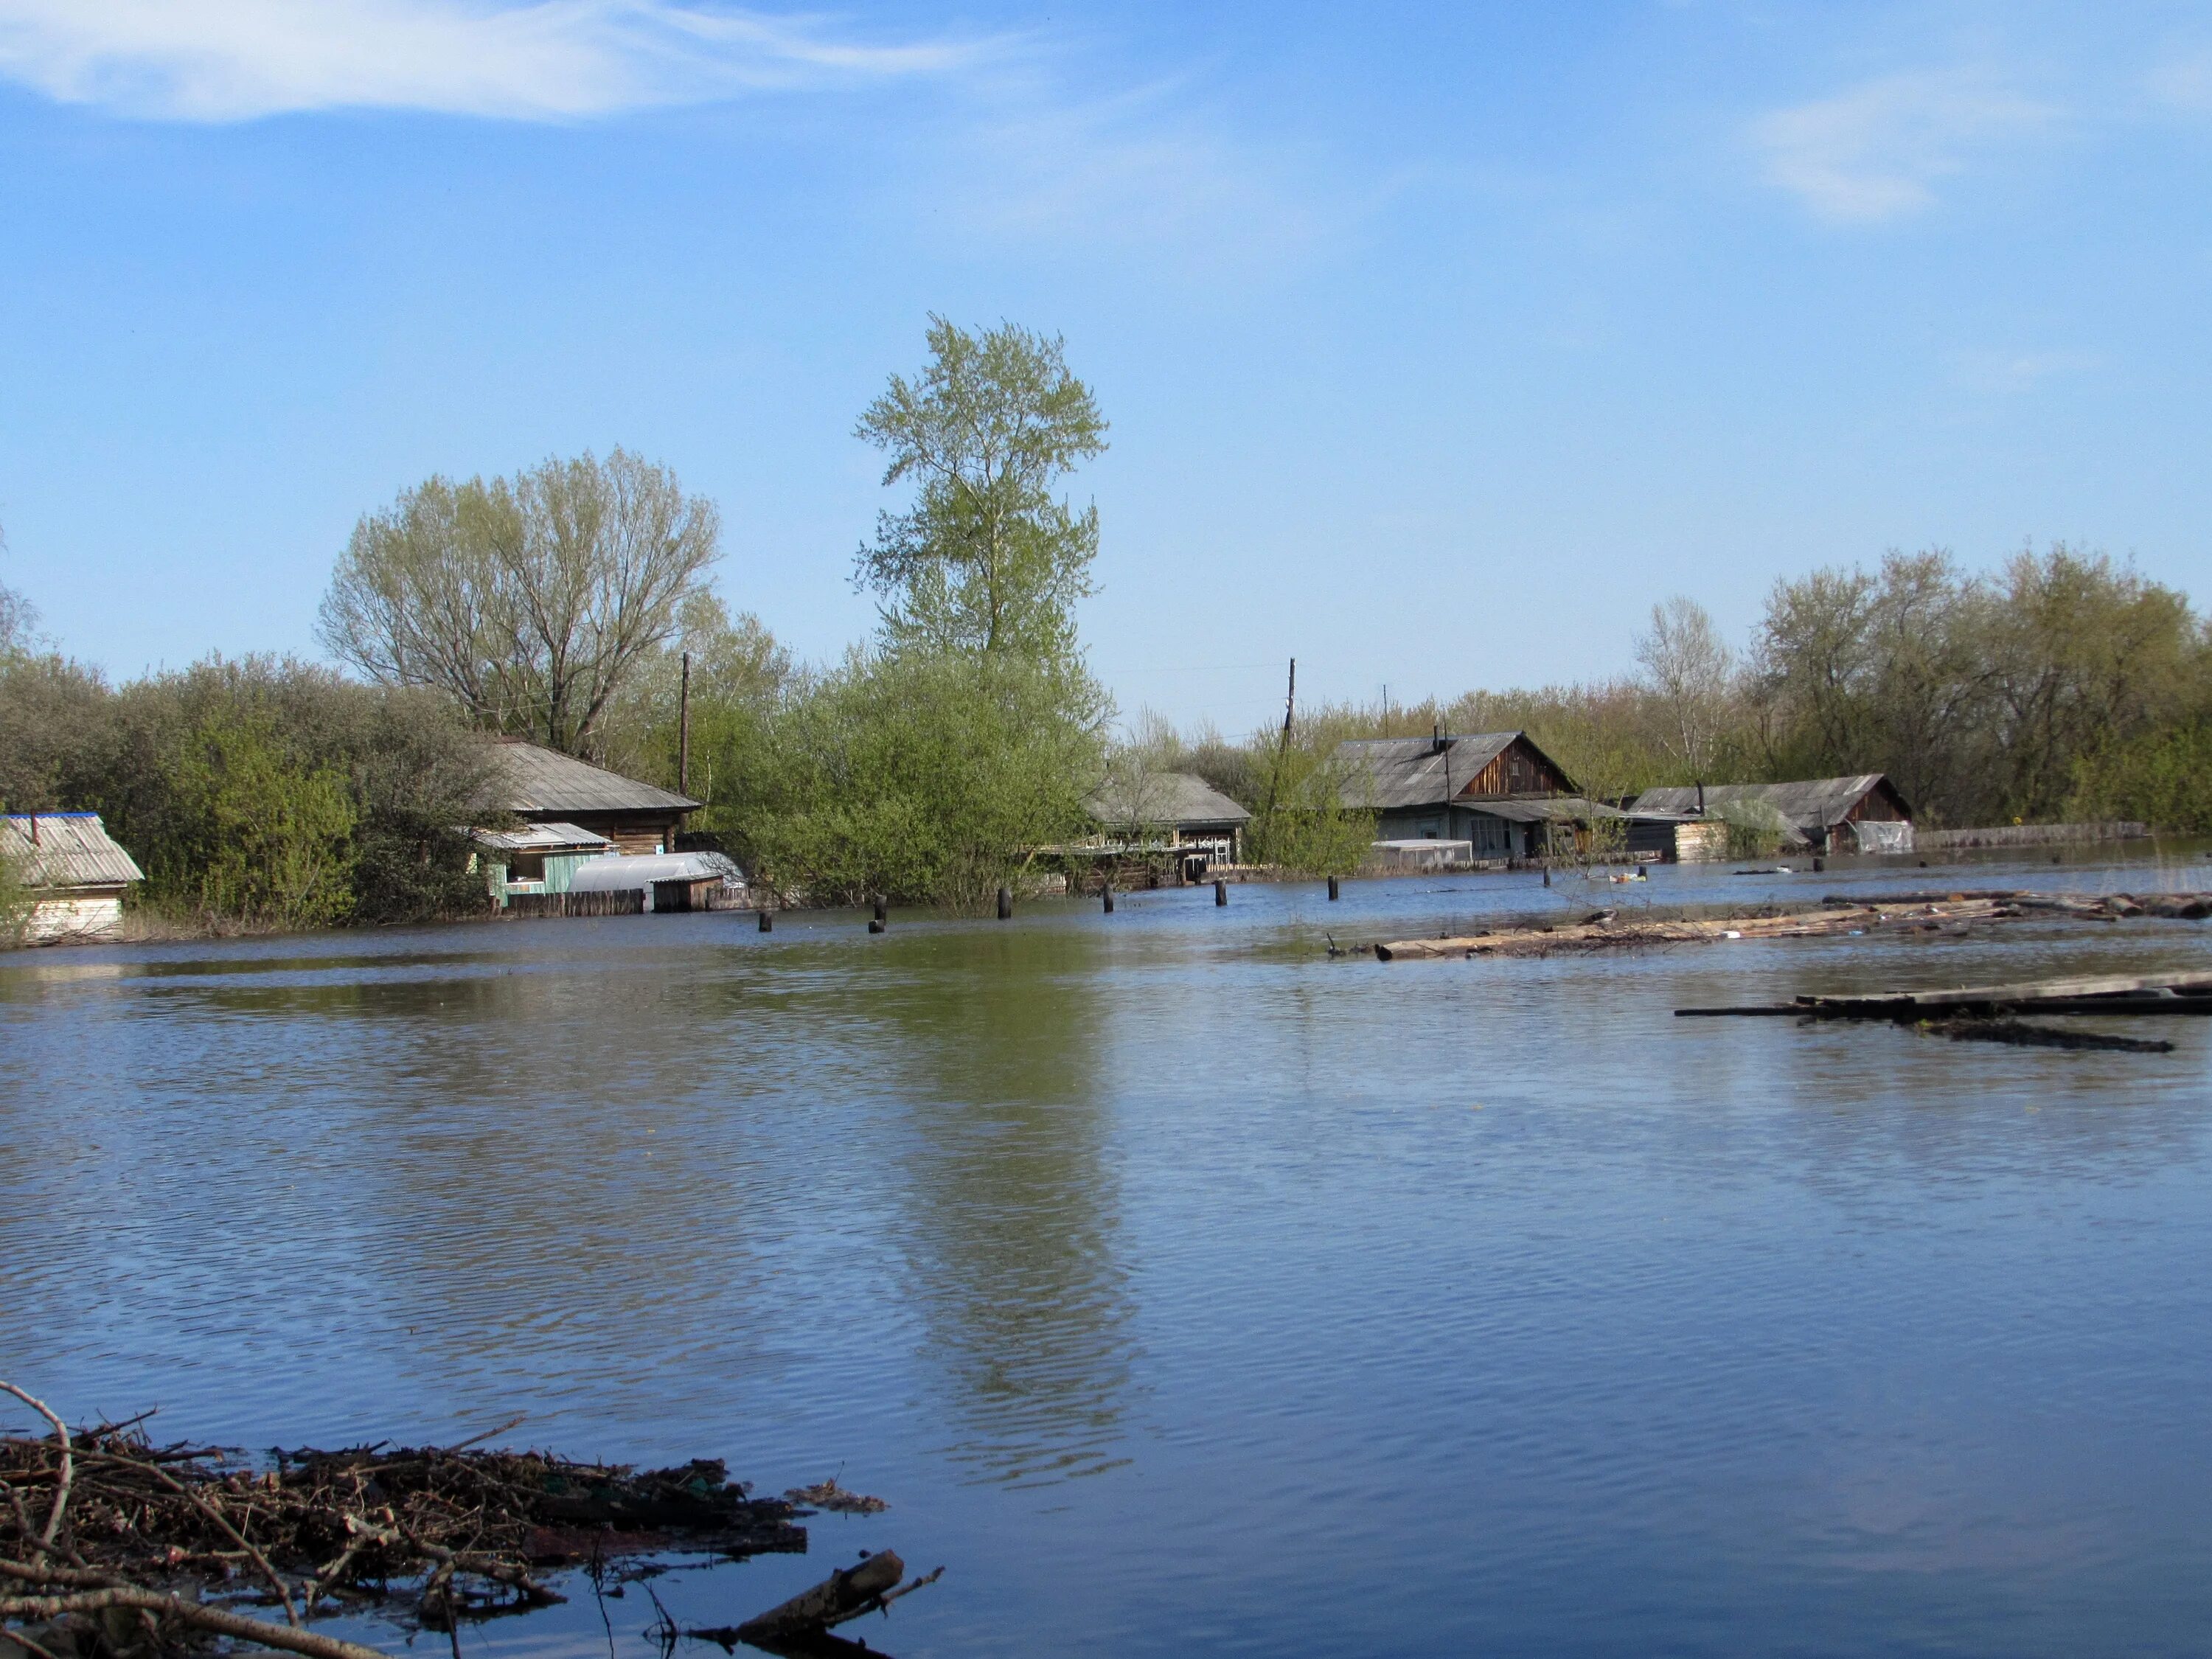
(1517, 769)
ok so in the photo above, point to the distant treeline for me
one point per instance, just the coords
(931, 763)
(260, 792)
(2065, 686)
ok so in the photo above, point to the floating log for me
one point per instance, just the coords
(2101, 993)
(845, 1595)
(1838, 915)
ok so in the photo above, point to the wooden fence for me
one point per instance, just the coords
(624, 902)
(2026, 834)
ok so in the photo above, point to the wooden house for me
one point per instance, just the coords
(76, 874)
(1166, 812)
(1495, 790)
(536, 859)
(544, 786)
(1860, 814)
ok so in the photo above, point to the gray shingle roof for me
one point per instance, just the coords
(74, 849)
(1382, 773)
(1812, 804)
(529, 779)
(1160, 800)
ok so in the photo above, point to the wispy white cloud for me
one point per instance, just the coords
(2012, 374)
(1879, 149)
(2184, 82)
(227, 60)
(1034, 164)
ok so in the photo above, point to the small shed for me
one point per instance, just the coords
(1864, 813)
(669, 881)
(542, 786)
(538, 858)
(1166, 811)
(76, 873)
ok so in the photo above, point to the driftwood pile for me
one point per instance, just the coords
(113, 1547)
(1891, 913)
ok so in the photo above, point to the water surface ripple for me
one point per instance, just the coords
(1184, 1290)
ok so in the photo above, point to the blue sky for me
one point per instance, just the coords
(1438, 342)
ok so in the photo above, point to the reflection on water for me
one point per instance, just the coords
(1429, 1306)
(1010, 1197)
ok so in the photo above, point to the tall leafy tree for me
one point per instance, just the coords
(530, 601)
(987, 559)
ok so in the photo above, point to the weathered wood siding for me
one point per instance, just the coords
(1517, 769)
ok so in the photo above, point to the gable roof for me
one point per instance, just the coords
(1382, 773)
(74, 849)
(1810, 804)
(526, 780)
(1162, 798)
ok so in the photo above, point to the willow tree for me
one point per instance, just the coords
(987, 559)
(530, 601)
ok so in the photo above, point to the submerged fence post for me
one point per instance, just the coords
(1006, 903)
(1220, 892)
(768, 920)
(1332, 889)
(1110, 898)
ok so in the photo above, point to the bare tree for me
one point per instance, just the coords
(1692, 671)
(19, 617)
(530, 601)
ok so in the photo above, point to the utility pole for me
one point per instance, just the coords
(1282, 750)
(683, 730)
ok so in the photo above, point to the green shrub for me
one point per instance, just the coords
(2163, 779)
(1756, 828)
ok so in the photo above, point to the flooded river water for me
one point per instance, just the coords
(1183, 1289)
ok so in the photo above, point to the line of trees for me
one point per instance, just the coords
(560, 604)
(2064, 685)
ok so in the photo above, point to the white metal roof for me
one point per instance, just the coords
(540, 838)
(610, 875)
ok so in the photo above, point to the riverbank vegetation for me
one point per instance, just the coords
(2066, 685)
(570, 604)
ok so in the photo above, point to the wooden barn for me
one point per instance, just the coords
(544, 786)
(1860, 814)
(75, 872)
(1494, 790)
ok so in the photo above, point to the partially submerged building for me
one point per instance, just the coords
(1497, 791)
(1166, 812)
(76, 874)
(543, 786)
(536, 859)
(1862, 814)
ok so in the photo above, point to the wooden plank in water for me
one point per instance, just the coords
(2046, 990)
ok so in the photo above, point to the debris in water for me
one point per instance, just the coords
(829, 1495)
(97, 1520)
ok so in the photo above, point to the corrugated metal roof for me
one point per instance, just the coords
(529, 779)
(1812, 804)
(1177, 799)
(538, 838)
(1382, 773)
(74, 849)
